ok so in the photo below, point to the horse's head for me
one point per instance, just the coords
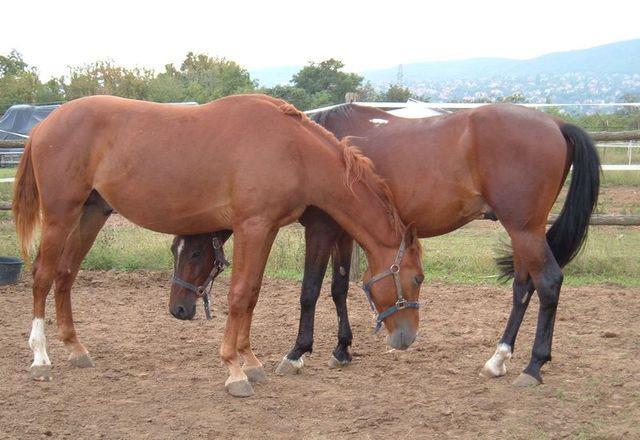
(195, 263)
(394, 292)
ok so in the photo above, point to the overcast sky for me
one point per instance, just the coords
(256, 34)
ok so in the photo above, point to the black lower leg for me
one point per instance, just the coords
(339, 290)
(522, 291)
(548, 287)
(319, 241)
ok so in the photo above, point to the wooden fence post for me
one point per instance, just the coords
(355, 274)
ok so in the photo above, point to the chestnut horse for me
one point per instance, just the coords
(246, 163)
(501, 162)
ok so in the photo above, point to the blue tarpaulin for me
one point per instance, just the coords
(18, 120)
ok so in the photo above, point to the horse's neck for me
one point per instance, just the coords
(366, 218)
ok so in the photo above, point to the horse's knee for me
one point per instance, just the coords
(241, 299)
(308, 299)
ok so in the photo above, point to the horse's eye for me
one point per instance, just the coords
(418, 279)
(196, 254)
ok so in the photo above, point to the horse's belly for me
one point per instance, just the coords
(442, 213)
(169, 215)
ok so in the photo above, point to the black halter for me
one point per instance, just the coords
(401, 303)
(219, 263)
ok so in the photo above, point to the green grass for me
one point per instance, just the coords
(7, 172)
(620, 178)
(463, 256)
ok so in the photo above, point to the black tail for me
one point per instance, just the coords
(567, 235)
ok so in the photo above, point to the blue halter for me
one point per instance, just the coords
(401, 303)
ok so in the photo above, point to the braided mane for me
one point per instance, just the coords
(359, 168)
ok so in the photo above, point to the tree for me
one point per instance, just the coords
(206, 78)
(106, 78)
(19, 83)
(397, 93)
(12, 64)
(326, 82)
(368, 93)
(295, 95)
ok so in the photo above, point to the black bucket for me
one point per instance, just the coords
(10, 268)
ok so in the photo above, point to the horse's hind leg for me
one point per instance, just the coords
(535, 269)
(547, 279)
(55, 232)
(522, 290)
(339, 289)
(94, 215)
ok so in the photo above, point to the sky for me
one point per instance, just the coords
(53, 35)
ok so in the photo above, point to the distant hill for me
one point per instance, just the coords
(621, 57)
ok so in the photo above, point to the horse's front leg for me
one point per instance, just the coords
(321, 232)
(339, 289)
(252, 243)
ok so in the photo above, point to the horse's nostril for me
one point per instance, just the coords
(179, 312)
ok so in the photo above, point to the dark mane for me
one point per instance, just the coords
(343, 110)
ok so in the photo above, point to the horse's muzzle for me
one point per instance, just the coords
(402, 336)
(182, 312)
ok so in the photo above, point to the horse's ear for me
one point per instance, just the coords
(411, 235)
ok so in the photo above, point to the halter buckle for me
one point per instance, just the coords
(401, 303)
(394, 268)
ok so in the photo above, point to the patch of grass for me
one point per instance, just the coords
(463, 256)
(7, 172)
(620, 178)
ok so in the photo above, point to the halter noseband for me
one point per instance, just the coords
(401, 303)
(219, 263)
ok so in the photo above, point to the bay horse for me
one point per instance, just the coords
(247, 163)
(502, 162)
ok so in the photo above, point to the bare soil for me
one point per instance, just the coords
(157, 377)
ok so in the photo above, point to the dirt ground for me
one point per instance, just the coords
(157, 377)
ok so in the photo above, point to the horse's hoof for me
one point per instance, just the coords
(526, 381)
(491, 370)
(239, 388)
(82, 360)
(334, 362)
(495, 366)
(255, 374)
(40, 373)
(288, 366)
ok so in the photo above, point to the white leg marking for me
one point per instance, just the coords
(38, 343)
(495, 366)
